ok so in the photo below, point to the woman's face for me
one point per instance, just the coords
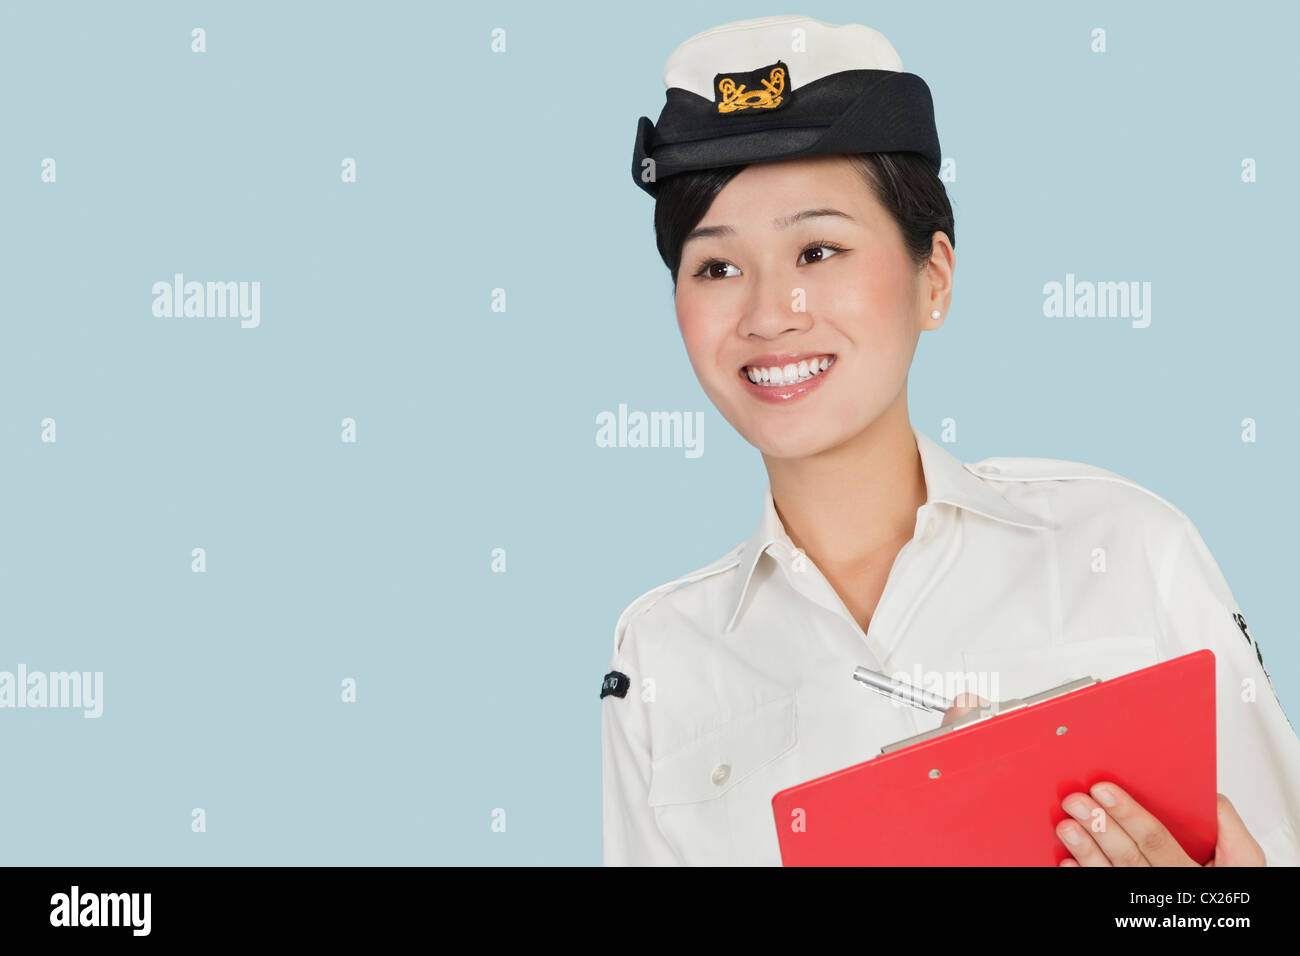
(760, 293)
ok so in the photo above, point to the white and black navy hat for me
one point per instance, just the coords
(779, 88)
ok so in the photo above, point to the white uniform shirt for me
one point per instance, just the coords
(1035, 571)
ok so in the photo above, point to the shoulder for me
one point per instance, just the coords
(1071, 490)
(712, 570)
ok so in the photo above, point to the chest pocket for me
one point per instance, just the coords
(717, 761)
(1019, 672)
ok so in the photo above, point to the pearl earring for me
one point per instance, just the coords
(934, 314)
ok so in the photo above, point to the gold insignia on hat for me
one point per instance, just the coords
(740, 91)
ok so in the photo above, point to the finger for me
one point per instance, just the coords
(1118, 846)
(962, 705)
(1082, 847)
(1152, 840)
(1069, 861)
(1235, 846)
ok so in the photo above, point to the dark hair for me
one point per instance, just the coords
(904, 183)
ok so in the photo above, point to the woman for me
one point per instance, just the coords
(810, 242)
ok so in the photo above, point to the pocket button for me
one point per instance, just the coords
(720, 773)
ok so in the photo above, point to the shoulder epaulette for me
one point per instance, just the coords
(1054, 469)
(647, 600)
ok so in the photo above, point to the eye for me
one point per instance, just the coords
(707, 269)
(822, 247)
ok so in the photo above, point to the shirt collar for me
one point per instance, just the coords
(947, 479)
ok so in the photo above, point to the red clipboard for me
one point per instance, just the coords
(987, 790)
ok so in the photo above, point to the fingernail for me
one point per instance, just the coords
(1077, 808)
(1071, 835)
(1105, 796)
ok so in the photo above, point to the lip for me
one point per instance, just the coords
(782, 359)
(781, 394)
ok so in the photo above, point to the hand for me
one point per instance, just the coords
(1130, 836)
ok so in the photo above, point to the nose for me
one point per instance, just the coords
(776, 304)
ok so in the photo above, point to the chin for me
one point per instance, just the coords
(787, 441)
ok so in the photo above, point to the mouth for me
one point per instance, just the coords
(790, 374)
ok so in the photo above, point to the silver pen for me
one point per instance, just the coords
(899, 690)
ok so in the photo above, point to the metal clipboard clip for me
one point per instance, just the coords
(993, 710)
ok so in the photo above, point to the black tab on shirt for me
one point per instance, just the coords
(615, 683)
(1241, 623)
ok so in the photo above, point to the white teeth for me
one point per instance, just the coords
(789, 374)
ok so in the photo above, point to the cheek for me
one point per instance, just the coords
(873, 312)
(869, 295)
(699, 334)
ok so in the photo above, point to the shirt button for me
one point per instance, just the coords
(720, 773)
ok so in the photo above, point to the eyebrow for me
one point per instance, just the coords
(781, 222)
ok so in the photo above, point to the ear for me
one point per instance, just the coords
(936, 280)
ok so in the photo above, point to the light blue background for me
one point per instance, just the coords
(476, 429)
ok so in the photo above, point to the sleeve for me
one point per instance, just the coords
(1258, 759)
(631, 835)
